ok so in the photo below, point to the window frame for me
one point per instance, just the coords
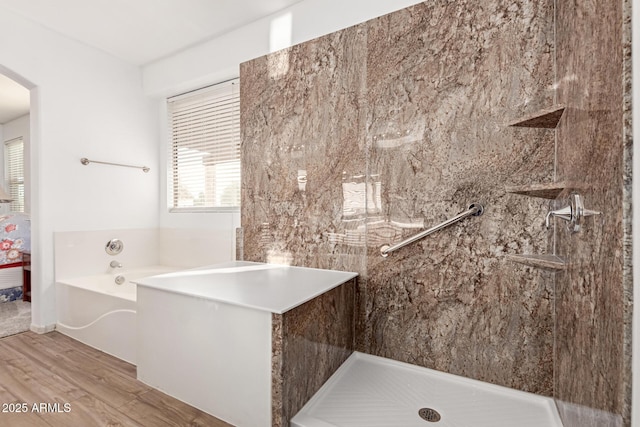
(18, 202)
(233, 89)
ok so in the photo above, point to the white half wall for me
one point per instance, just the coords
(84, 103)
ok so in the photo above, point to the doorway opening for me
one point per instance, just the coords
(15, 207)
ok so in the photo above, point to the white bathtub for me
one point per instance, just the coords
(100, 313)
(370, 391)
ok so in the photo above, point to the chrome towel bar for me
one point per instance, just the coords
(475, 209)
(86, 161)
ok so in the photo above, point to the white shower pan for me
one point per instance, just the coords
(370, 391)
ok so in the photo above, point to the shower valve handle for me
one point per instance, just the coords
(573, 213)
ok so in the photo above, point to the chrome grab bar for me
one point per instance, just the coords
(475, 209)
(86, 161)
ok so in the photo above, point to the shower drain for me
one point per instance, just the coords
(429, 414)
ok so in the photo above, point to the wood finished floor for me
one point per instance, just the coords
(100, 389)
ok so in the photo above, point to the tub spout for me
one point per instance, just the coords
(115, 264)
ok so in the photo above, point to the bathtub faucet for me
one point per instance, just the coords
(115, 264)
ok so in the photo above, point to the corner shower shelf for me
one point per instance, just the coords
(545, 191)
(547, 262)
(547, 118)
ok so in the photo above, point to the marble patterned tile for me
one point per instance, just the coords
(309, 343)
(443, 80)
(302, 123)
(594, 302)
(365, 136)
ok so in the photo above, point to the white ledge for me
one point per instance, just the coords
(267, 287)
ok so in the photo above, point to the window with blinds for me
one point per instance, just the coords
(14, 173)
(205, 148)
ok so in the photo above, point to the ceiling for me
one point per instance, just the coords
(136, 31)
(142, 31)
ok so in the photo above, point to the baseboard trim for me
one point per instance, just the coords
(43, 329)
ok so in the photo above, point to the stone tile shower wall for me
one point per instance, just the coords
(442, 80)
(594, 295)
(310, 342)
(366, 135)
(303, 135)
(302, 131)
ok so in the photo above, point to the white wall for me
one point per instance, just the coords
(84, 103)
(218, 59)
(19, 128)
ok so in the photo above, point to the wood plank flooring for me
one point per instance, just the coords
(98, 389)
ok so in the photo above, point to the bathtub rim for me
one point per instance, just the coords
(154, 270)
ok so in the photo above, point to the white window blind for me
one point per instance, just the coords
(14, 172)
(205, 148)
